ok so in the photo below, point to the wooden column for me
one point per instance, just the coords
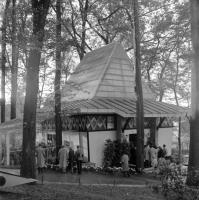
(88, 145)
(119, 127)
(154, 132)
(80, 140)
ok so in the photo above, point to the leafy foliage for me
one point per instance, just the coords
(166, 49)
(193, 178)
(87, 25)
(109, 153)
(113, 152)
(174, 188)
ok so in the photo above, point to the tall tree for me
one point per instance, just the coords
(194, 121)
(3, 61)
(40, 9)
(110, 20)
(14, 67)
(139, 103)
(76, 25)
(165, 48)
(57, 83)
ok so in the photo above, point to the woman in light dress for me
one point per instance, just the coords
(40, 155)
(63, 158)
(154, 156)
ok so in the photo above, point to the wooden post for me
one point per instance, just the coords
(88, 145)
(119, 127)
(154, 132)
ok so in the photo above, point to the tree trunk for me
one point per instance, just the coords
(40, 10)
(84, 13)
(14, 67)
(194, 121)
(177, 71)
(3, 62)
(139, 103)
(58, 121)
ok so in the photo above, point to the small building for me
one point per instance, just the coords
(99, 103)
(11, 134)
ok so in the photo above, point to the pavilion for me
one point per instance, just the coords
(99, 103)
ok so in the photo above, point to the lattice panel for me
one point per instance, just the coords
(48, 124)
(79, 123)
(132, 123)
(96, 122)
(82, 123)
(168, 122)
(148, 122)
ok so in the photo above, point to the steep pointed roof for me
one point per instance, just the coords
(105, 72)
(104, 83)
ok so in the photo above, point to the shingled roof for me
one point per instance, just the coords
(104, 82)
(105, 72)
(124, 107)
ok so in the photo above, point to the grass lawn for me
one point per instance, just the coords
(65, 192)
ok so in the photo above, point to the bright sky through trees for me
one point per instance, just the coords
(159, 25)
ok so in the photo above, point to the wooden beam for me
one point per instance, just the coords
(161, 121)
(119, 127)
(88, 146)
(126, 123)
(153, 131)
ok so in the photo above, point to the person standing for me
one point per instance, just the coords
(161, 163)
(147, 156)
(154, 156)
(160, 152)
(63, 158)
(40, 154)
(79, 158)
(132, 157)
(165, 151)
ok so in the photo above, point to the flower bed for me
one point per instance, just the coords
(90, 167)
(109, 170)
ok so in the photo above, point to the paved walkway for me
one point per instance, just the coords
(91, 178)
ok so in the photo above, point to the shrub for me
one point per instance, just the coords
(193, 178)
(174, 188)
(113, 152)
(109, 152)
(172, 184)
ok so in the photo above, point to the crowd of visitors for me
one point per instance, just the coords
(156, 157)
(68, 159)
(152, 155)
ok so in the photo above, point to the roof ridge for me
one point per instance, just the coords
(105, 68)
(102, 47)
